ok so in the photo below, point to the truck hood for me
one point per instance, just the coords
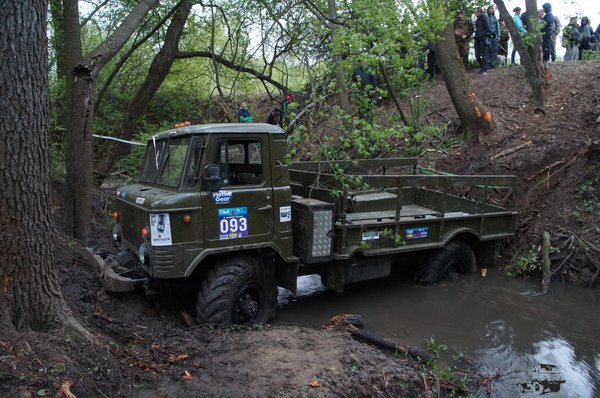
(151, 197)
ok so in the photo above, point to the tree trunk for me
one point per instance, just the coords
(340, 78)
(78, 198)
(473, 117)
(30, 297)
(158, 71)
(531, 57)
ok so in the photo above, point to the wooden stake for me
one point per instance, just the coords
(546, 263)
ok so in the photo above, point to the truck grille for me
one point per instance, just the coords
(162, 258)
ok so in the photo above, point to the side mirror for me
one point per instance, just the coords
(212, 177)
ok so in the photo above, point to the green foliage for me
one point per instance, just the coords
(528, 263)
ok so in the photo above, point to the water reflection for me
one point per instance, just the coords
(496, 320)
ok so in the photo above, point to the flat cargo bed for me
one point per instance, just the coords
(378, 211)
(407, 212)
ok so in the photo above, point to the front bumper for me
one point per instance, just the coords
(111, 280)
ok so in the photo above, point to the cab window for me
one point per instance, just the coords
(240, 162)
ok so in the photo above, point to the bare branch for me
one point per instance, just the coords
(89, 17)
(232, 65)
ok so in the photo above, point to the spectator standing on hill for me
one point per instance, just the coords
(275, 117)
(366, 84)
(586, 33)
(547, 30)
(482, 40)
(555, 33)
(463, 30)
(570, 40)
(494, 35)
(244, 115)
(503, 43)
(520, 28)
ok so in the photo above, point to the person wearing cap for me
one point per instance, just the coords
(463, 30)
(520, 28)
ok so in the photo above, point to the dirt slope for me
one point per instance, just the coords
(557, 156)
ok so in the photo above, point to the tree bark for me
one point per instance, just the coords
(78, 198)
(474, 118)
(340, 78)
(531, 57)
(30, 296)
(161, 64)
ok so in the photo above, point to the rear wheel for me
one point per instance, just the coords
(456, 256)
(240, 290)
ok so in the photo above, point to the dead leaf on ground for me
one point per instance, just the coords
(155, 346)
(180, 357)
(315, 383)
(187, 318)
(186, 375)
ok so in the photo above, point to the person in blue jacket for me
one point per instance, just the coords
(547, 30)
(494, 35)
(520, 28)
(244, 115)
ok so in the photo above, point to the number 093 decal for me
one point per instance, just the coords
(233, 223)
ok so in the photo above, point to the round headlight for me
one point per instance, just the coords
(116, 232)
(143, 254)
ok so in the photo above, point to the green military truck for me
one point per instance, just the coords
(219, 208)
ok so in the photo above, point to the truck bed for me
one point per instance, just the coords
(385, 211)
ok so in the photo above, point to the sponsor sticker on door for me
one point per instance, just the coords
(285, 214)
(233, 223)
(417, 233)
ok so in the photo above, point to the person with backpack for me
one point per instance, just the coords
(570, 40)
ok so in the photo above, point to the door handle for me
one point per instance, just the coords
(267, 207)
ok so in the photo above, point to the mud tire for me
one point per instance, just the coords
(240, 290)
(456, 256)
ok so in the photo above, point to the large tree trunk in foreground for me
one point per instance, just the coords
(156, 75)
(30, 297)
(474, 118)
(78, 198)
(531, 57)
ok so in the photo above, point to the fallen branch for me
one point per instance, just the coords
(65, 389)
(547, 168)
(381, 342)
(512, 150)
(105, 317)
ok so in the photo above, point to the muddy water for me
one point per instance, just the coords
(540, 343)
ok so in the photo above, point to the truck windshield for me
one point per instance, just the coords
(164, 161)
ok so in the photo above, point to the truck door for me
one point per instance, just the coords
(241, 212)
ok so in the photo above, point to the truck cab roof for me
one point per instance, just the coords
(220, 128)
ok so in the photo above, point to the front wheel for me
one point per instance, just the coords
(456, 256)
(240, 290)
